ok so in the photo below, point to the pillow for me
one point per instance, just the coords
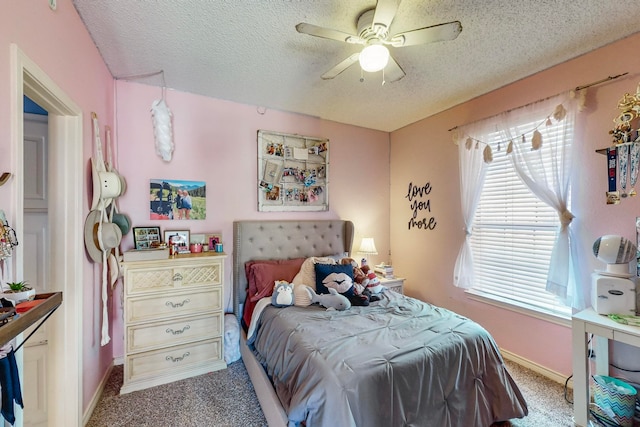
(302, 295)
(261, 277)
(336, 276)
(307, 274)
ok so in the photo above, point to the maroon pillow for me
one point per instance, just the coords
(261, 276)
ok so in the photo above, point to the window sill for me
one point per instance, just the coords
(518, 308)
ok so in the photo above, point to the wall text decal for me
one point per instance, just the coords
(418, 204)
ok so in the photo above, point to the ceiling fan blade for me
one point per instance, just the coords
(385, 12)
(435, 33)
(326, 33)
(393, 72)
(341, 66)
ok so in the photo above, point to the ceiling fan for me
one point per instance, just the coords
(373, 33)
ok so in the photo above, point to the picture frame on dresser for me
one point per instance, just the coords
(146, 237)
(182, 239)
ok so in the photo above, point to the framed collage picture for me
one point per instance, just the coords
(293, 172)
(146, 237)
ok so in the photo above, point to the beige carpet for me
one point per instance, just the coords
(226, 399)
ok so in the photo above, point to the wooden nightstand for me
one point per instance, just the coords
(396, 284)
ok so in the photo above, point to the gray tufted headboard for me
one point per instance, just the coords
(283, 239)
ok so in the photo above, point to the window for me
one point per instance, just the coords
(513, 232)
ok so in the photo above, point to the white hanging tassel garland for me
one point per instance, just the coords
(162, 132)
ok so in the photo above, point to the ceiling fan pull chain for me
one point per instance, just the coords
(361, 75)
(383, 82)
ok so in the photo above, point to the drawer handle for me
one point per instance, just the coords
(177, 277)
(178, 304)
(171, 331)
(177, 359)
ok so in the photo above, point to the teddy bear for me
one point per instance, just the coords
(358, 275)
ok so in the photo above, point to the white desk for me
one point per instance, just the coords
(604, 329)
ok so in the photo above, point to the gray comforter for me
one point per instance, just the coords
(398, 362)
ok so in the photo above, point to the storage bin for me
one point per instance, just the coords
(616, 398)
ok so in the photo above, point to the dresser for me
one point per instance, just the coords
(173, 319)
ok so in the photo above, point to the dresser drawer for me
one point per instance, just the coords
(159, 307)
(159, 362)
(173, 332)
(154, 278)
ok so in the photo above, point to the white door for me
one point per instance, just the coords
(35, 238)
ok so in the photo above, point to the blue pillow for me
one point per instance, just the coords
(336, 276)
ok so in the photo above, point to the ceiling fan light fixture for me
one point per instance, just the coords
(374, 57)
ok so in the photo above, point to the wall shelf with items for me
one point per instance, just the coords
(623, 155)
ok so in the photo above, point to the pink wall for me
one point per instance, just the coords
(216, 142)
(424, 152)
(59, 44)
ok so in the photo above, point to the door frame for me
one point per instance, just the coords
(66, 178)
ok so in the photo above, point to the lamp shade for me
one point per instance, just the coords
(368, 246)
(374, 57)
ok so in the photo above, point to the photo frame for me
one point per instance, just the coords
(293, 172)
(173, 199)
(214, 239)
(182, 239)
(146, 237)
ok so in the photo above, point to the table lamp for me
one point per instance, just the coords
(367, 247)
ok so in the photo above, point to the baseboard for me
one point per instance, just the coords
(96, 397)
(539, 369)
(118, 361)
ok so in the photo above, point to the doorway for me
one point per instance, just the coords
(65, 223)
(36, 249)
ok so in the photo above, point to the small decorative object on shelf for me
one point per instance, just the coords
(18, 292)
(623, 156)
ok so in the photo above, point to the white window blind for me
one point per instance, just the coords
(513, 232)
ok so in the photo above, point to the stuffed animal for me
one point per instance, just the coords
(360, 295)
(358, 275)
(282, 294)
(373, 283)
(370, 283)
(332, 301)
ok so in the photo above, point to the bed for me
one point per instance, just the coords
(398, 361)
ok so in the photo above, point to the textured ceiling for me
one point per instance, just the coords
(249, 51)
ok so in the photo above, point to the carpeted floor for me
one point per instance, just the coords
(226, 399)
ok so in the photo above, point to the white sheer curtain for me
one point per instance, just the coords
(472, 169)
(543, 162)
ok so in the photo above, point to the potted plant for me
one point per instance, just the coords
(18, 292)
